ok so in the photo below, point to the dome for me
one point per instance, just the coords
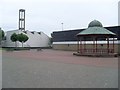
(95, 23)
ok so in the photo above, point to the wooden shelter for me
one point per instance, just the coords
(95, 32)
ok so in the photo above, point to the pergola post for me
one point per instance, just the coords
(78, 45)
(108, 45)
(96, 44)
(113, 44)
(84, 45)
(93, 44)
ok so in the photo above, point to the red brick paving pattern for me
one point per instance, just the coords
(64, 57)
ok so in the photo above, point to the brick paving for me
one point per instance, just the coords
(65, 57)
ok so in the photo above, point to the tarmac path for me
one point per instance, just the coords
(57, 69)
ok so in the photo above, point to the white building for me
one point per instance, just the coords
(36, 39)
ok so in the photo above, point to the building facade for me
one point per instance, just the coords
(36, 39)
(67, 40)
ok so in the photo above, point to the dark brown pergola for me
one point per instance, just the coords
(95, 31)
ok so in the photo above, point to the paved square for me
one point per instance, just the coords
(57, 69)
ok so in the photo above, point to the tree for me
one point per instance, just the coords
(14, 38)
(50, 41)
(22, 38)
(2, 34)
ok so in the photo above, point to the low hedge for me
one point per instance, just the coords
(17, 49)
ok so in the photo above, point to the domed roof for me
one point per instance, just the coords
(95, 23)
(95, 28)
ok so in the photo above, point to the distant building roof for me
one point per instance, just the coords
(70, 35)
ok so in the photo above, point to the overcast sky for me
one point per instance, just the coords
(47, 15)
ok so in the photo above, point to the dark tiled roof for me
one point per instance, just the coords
(70, 35)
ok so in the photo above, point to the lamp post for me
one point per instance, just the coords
(62, 26)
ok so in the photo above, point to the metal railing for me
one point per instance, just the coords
(96, 51)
